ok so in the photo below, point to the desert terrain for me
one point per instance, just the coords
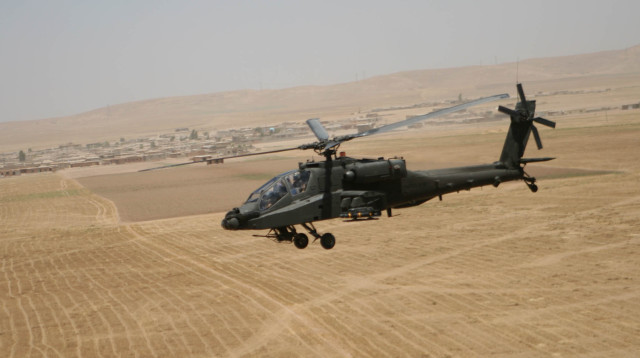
(108, 261)
(215, 111)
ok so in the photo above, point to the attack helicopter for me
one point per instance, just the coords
(344, 187)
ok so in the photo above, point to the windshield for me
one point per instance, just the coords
(273, 195)
(256, 194)
(294, 182)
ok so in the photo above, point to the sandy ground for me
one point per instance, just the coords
(491, 272)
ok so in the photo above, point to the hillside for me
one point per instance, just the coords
(250, 107)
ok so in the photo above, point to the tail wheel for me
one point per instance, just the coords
(301, 241)
(328, 241)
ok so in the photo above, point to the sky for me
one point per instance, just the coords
(65, 57)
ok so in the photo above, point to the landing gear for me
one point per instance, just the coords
(328, 241)
(287, 234)
(300, 240)
(531, 183)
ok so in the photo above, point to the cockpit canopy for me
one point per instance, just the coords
(292, 182)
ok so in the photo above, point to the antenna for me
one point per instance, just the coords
(517, 68)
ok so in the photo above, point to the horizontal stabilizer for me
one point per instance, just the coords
(535, 160)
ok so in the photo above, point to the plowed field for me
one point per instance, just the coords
(491, 272)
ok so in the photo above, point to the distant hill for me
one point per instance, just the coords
(253, 107)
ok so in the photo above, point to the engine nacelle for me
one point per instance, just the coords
(375, 171)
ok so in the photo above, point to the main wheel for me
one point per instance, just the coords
(328, 241)
(301, 241)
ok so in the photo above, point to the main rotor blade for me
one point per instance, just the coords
(318, 129)
(536, 135)
(223, 158)
(545, 122)
(257, 153)
(437, 113)
(332, 144)
(168, 166)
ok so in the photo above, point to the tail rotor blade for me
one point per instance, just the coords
(508, 111)
(536, 135)
(523, 99)
(545, 122)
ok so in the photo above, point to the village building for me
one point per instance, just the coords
(32, 170)
(123, 160)
(82, 164)
(201, 158)
(9, 172)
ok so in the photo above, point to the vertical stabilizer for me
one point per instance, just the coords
(521, 126)
(516, 141)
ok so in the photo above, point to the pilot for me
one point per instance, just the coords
(295, 186)
(280, 189)
(304, 179)
(299, 182)
(273, 195)
(269, 199)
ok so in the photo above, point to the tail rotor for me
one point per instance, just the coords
(522, 119)
(524, 113)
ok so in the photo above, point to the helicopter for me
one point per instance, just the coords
(350, 188)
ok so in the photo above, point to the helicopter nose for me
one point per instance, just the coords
(235, 220)
(231, 223)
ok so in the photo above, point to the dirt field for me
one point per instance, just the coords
(491, 272)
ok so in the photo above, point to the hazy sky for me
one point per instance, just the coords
(65, 57)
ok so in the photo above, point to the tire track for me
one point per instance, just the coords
(76, 285)
(255, 293)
